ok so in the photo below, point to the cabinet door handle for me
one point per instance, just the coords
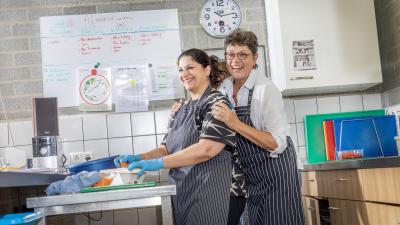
(311, 180)
(333, 208)
(311, 208)
(342, 179)
(302, 78)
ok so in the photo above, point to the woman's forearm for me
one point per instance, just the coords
(155, 153)
(200, 152)
(259, 137)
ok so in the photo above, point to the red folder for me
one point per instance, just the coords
(329, 139)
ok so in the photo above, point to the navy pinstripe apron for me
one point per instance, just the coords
(202, 191)
(273, 183)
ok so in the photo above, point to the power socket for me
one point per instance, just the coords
(80, 157)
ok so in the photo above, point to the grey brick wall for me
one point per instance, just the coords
(388, 24)
(20, 58)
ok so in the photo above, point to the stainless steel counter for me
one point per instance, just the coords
(19, 179)
(107, 200)
(382, 162)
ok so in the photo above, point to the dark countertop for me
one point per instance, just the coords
(382, 162)
(19, 179)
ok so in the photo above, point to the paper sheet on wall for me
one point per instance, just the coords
(94, 90)
(165, 83)
(130, 88)
(303, 55)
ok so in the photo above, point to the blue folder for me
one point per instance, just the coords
(375, 135)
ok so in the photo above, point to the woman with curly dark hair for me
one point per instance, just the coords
(197, 147)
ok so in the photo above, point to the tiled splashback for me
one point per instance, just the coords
(124, 133)
(102, 134)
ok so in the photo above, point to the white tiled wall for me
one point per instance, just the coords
(297, 108)
(119, 125)
(71, 128)
(143, 123)
(351, 103)
(112, 134)
(94, 126)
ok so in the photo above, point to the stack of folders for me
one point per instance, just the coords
(360, 137)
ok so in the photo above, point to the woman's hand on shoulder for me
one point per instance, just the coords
(223, 113)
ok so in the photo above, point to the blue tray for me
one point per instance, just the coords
(93, 165)
(373, 134)
(30, 218)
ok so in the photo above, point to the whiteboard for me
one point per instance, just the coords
(112, 39)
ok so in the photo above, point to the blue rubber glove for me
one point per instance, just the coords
(126, 159)
(147, 165)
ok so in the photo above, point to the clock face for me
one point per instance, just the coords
(220, 17)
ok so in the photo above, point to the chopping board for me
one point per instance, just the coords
(314, 132)
(117, 187)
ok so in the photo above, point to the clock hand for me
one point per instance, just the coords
(226, 14)
(218, 14)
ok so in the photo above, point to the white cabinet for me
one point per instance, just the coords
(345, 48)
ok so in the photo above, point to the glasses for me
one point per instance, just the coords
(240, 55)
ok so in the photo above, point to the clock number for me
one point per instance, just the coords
(235, 16)
(207, 16)
(222, 29)
(209, 24)
(208, 9)
(220, 3)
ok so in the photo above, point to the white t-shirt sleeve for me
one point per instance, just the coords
(274, 119)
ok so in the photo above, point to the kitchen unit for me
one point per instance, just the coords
(320, 47)
(355, 192)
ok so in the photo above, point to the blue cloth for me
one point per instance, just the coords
(126, 159)
(147, 165)
(74, 183)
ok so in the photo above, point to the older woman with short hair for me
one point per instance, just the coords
(264, 151)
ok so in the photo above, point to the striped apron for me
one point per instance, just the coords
(273, 183)
(202, 190)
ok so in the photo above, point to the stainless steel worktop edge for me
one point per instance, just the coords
(20, 179)
(382, 162)
(103, 196)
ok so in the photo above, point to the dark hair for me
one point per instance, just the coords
(242, 37)
(201, 57)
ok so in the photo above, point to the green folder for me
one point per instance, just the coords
(117, 187)
(314, 132)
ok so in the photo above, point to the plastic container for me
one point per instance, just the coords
(94, 165)
(30, 218)
(123, 176)
(350, 154)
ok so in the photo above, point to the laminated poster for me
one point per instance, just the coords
(303, 55)
(130, 90)
(94, 89)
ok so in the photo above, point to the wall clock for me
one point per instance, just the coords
(220, 17)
